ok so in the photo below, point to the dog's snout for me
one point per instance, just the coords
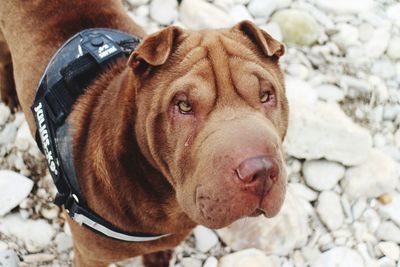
(259, 173)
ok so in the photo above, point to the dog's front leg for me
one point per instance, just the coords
(81, 260)
(157, 259)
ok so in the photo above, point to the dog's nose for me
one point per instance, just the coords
(259, 173)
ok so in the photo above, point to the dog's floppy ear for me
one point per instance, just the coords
(155, 49)
(269, 45)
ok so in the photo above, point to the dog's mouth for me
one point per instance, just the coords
(257, 212)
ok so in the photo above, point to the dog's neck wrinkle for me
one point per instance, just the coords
(112, 172)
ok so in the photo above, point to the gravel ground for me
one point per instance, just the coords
(343, 145)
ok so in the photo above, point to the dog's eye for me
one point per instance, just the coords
(185, 107)
(266, 96)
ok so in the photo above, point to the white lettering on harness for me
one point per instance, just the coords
(44, 136)
(106, 50)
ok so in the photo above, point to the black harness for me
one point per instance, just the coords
(73, 67)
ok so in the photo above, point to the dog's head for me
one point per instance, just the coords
(211, 116)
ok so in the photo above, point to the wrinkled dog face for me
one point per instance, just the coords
(211, 116)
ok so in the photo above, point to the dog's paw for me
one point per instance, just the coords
(157, 259)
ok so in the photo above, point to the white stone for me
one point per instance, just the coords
(330, 209)
(4, 114)
(297, 26)
(239, 13)
(278, 235)
(39, 258)
(24, 138)
(322, 130)
(14, 188)
(3, 246)
(190, 262)
(397, 138)
(377, 175)
(262, 8)
(378, 43)
(390, 250)
(248, 257)
(345, 6)
(393, 12)
(205, 238)
(322, 174)
(273, 29)
(138, 2)
(303, 191)
(330, 93)
(199, 14)
(8, 258)
(392, 209)
(7, 135)
(35, 234)
(63, 242)
(211, 262)
(339, 257)
(224, 4)
(393, 50)
(347, 36)
(164, 11)
(388, 231)
(300, 92)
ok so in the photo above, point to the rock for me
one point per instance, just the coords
(393, 12)
(388, 231)
(391, 210)
(390, 250)
(211, 262)
(50, 212)
(4, 114)
(39, 258)
(8, 134)
(63, 242)
(330, 209)
(164, 11)
(339, 257)
(322, 174)
(248, 257)
(397, 138)
(199, 14)
(322, 130)
(378, 43)
(329, 93)
(300, 92)
(24, 138)
(273, 30)
(393, 50)
(262, 8)
(298, 27)
(347, 36)
(377, 175)
(206, 239)
(3, 246)
(239, 13)
(303, 191)
(344, 6)
(35, 234)
(8, 258)
(278, 235)
(138, 2)
(190, 262)
(14, 188)
(372, 219)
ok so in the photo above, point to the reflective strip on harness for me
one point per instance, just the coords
(73, 67)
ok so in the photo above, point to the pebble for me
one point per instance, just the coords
(4, 114)
(391, 209)
(278, 235)
(38, 258)
(347, 36)
(390, 250)
(239, 13)
(303, 191)
(339, 257)
(7, 135)
(377, 175)
(300, 92)
(330, 93)
(190, 262)
(322, 130)
(36, 234)
(262, 8)
(378, 43)
(393, 50)
(138, 2)
(247, 257)
(297, 26)
(14, 188)
(63, 242)
(8, 258)
(345, 7)
(199, 14)
(388, 231)
(164, 11)
(322, 174)
(24, 139)
(205, 238)
(393, 12)
(330, 210)
(211, 262)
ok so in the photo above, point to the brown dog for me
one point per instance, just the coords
(187, 131)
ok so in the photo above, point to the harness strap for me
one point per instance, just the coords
(74, 66)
